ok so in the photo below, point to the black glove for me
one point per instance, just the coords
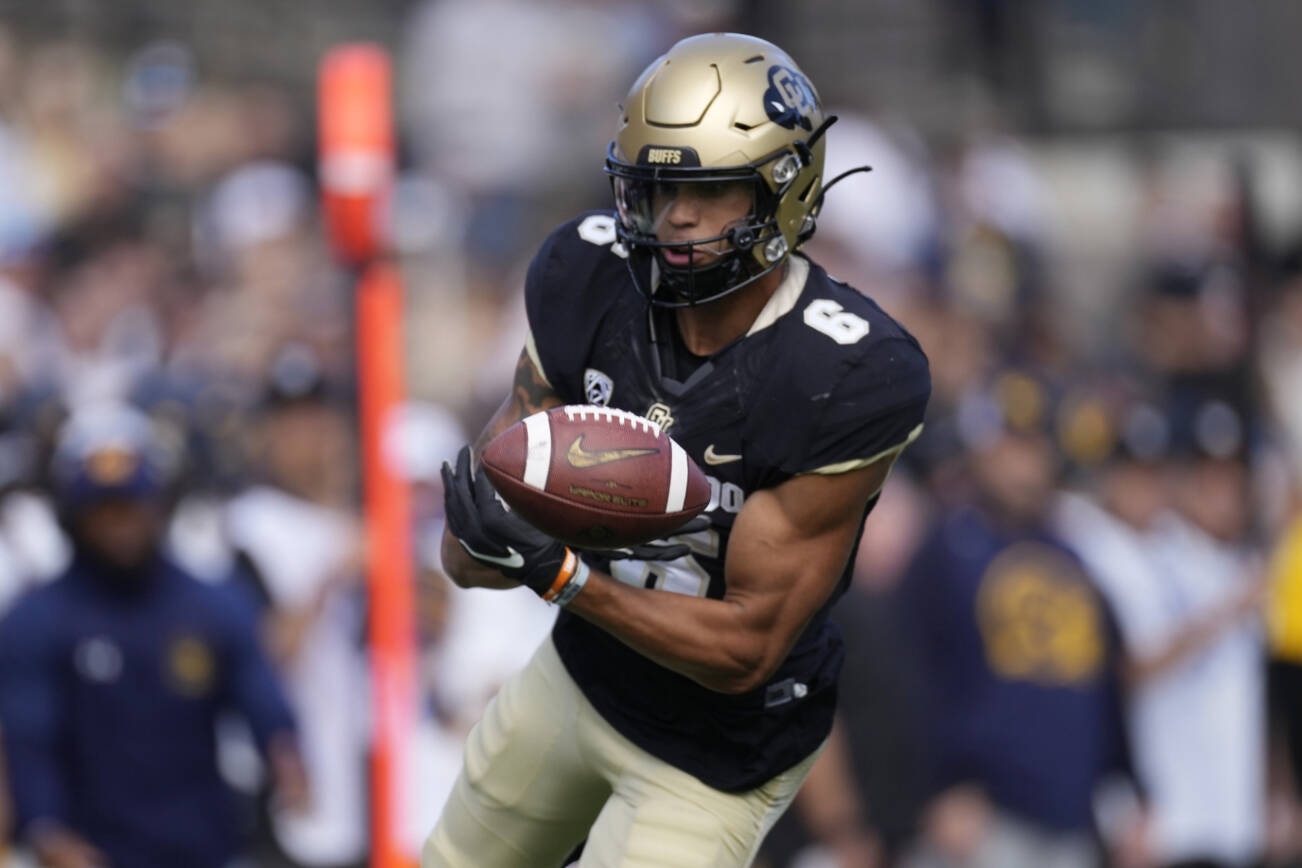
(657, 550)
(494, 536)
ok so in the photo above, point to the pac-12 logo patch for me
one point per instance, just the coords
(597, 387)
(790, 98)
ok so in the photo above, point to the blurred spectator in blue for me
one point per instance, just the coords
(1188, 606)
(113, 677)
(1017, 655)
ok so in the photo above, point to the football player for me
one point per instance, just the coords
(679, 703)
(114, 675)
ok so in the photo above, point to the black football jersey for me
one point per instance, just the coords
(824, 382)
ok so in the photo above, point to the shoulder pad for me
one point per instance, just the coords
(858, 382)
(579, 274)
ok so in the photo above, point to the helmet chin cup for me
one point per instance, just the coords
(671, 286)
(693, 283)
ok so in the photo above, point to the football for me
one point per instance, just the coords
(593, 477)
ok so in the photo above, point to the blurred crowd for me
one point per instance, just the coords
(1075, 630)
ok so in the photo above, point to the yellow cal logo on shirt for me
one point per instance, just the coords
(191, 666)
(1038, 617)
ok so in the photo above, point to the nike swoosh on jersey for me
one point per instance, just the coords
(581, 458)
(514, 562)
(712, 457)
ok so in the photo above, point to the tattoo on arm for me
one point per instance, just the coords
(530, 394)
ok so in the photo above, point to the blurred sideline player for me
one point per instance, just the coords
(113, 676)
(679, 704)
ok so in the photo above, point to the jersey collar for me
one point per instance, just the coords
(785, 296)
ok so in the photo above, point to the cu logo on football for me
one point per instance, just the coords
(790, 98)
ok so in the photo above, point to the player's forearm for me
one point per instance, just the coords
(708, 641)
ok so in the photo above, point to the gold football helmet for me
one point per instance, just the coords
(718, 107)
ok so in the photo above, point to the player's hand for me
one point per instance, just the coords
(658, 550)
(493, 535)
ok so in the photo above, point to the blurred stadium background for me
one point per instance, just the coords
(1080, 208)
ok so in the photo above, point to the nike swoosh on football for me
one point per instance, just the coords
(514, 562)
(581, 458)
(712, 457)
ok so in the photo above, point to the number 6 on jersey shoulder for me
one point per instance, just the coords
(599, 229)
(826, 316)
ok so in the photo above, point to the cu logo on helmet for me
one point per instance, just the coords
(790, 98)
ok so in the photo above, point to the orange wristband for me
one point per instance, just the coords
(568, 568)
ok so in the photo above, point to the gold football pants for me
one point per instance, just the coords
(543, 770)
